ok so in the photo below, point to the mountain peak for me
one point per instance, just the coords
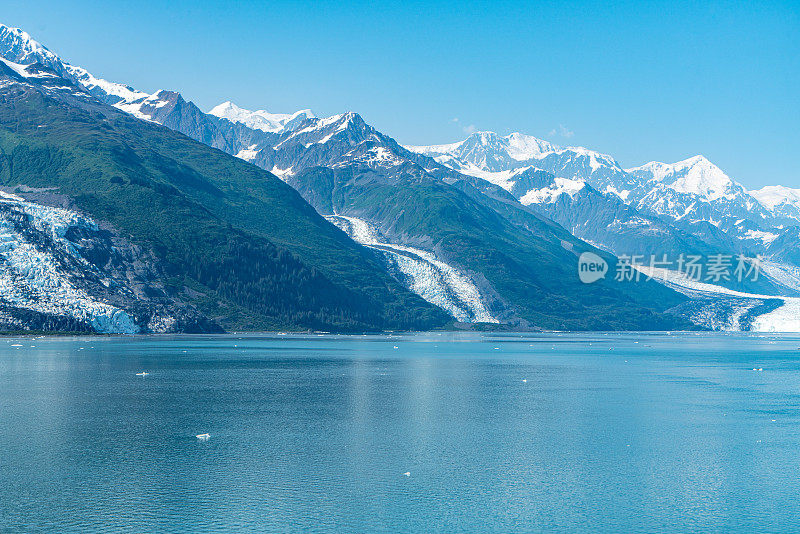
(18, 46)
(344, 121)
(260, 119)
(225, 107)
(694, 161)
(484, 136)
(524, 147)
(695, 175)
(773, 196)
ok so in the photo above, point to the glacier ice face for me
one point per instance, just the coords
(434, 280)
(34, 271)
(725, 309)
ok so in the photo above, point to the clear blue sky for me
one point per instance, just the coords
(641, 81)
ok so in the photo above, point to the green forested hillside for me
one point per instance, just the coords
(529, 262)
(239, 243)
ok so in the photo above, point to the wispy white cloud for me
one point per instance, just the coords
(468, 129)
(562, 130)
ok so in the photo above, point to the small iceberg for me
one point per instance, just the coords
(143, 373)
(203, 437)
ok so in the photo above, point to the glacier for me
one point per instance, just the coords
(723, 308)
(34, 277)
(434, 280)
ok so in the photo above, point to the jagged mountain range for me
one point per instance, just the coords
(487, 215)
(213, 225)
(690, 194)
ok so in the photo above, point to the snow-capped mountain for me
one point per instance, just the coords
(260, 119)
(696, 176)
(18, 46)
(678, 190)
(694, 189)
(497, 159)
(782, 202)
(692, 194)
(488, 152)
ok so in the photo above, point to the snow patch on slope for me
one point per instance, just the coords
(22, 70)
(759, 235)
(248, 154)
(93, 84)
(562, 186)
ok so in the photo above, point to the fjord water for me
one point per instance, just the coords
(406, 433)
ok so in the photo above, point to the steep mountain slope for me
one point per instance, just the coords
(234, 240)
(62, 271)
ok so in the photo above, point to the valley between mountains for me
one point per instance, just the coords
(128, 212)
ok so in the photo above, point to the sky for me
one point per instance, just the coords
(641, 81)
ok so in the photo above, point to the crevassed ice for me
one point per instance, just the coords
(786, 318)
(32, 278)
(434, 280)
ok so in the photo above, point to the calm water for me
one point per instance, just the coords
(616, 433)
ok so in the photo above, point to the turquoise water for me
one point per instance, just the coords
(511, 433)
